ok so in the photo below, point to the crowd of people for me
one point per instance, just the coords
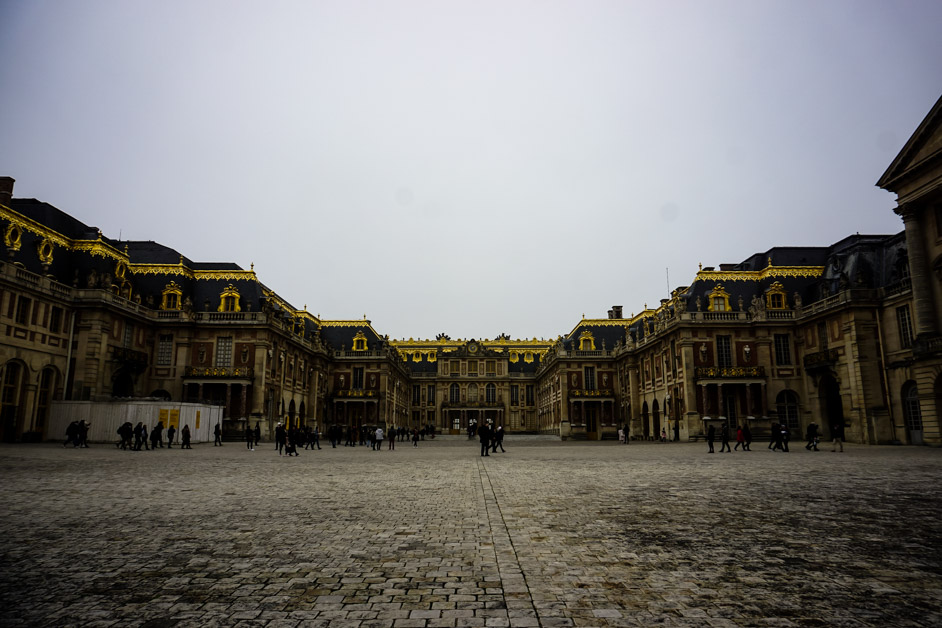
(779, 437)
(490, 437)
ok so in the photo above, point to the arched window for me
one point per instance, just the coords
(473, 392)
(787, 403)
(491, 393)
(359, 341)
(454, 393)
(912, 414)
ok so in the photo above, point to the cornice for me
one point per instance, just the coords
(759, 275)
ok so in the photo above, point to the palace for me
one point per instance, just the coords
(848, 333)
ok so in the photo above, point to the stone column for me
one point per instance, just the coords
(704, 400)
(228, 410)
(925, 322)
(245, 395)
(748, 399)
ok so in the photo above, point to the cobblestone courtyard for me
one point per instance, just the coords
(548, 534)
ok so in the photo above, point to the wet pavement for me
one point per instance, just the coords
(547, 534)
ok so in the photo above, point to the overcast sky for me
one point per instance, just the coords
(473, 168)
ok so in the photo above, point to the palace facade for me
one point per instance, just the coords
(848, 333)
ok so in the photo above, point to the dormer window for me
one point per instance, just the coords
(775, 297)
(719, 300)
(359, 341)
(171, 297)
(229, 300)
(586, 341)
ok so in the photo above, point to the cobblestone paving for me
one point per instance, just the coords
(548, 534)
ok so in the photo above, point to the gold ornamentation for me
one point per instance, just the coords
(514, 357)
(758, 275)
(44, 249)
(714, 304)
(775, 297)
(586, 341)
(171, 296)
(359, 341)
(229, 300)
(13, 237)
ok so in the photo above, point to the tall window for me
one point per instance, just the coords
(455, 367)
(454, 393)
(787, 403)
(491, 392)
(719, 304)
(416, 395)
(128, 334)
(724, 353)
(430, 395)
(589, 372)
(905, 327)
(472, 392)
(514, 395)
(357, 377)
(911, 411)
(783, 350)
(165, 350)
(22, 310)
(55, 320)
(46, 383)
(490, 368)
(473, 368)
(529, 394)
(224, 352)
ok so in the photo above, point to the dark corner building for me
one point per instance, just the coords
(847, 334)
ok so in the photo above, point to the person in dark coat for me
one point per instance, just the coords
(498, 440)
(812, 434)
(484, 433)
(724, 438)
(711, 437)
(249, 437)
(258, 434)
(185, 435)
(281, 437)
(171, 432)
(156, 436)
(837, 434)
(747, 437)
(217, 432)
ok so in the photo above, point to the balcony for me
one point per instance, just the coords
(219, 372)
(356, 394)
(729, 372)
(603, 392)
(820, 359)
(472, 404)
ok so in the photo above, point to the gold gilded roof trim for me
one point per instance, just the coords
(28, 224)
(758, 275)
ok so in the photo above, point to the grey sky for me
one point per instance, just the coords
(467, 167)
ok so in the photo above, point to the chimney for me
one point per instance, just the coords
(611, 314)
(6, 190)
(616, 311)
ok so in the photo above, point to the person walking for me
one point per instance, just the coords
(249, 437)
(774, 436)
(217, 433)
(281, 436)
(378, 436)
(740, 439)
(71, 435)
(144, 437)
(171, 432)
(837, 435)
(156, 436)
(812, 434)
(258, 434)
(711, 437)
(138, 436)
(316, 438)
(747, 437)
(392, 439)
(786, 436)
(415, 437)
(724, 438)
(185, 436)
(484, 433)
(498, 439)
